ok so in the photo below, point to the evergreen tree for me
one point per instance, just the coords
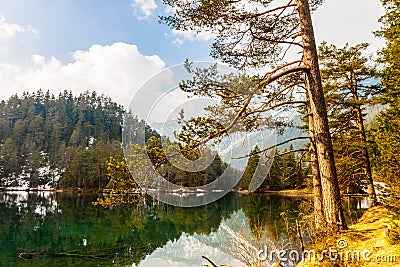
(286, 171)
(260, 38)
(8, 159)
(251, 167)
(387, 129)
(40, 132)
(273, 180)
(349, 86)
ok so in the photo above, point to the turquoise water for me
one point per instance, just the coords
(60, 229)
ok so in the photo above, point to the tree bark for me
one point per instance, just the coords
(316, 178)
(333, 211)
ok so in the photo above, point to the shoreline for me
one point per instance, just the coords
(244, 192)
(290, 192)
(52, 190)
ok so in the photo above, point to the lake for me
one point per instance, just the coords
(65, 229)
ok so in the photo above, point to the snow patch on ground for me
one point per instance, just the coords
(44, 178)
(382, 190)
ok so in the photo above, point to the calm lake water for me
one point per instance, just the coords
(60, 229)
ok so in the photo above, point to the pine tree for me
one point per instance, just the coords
(46, 130)
(387, 130)
(251, 167)
(349, 86)
(9, 159)
(257, 39)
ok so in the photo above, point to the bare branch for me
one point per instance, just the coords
(275, 77)
(284, 142)
(275, 9)
(291, 151)
(212, 263)
(274, 146)
(281, 67)
(226, 129)
(274, 41)
(290, 86)
(276, 105)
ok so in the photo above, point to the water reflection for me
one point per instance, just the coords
(59, 229)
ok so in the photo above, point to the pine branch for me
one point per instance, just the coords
(275, 77)
(276, 105)
(274, 146)
(275, 9)
(292, 151)
(281, 67)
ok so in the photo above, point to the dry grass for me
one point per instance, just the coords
(370, 233)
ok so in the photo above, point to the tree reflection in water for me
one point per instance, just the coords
(61, 229)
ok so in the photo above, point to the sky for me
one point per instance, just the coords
(113, 47)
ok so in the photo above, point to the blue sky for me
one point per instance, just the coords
(64, 26)
(113, 46)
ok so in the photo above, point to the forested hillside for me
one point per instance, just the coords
(44, 138)
(66, 142)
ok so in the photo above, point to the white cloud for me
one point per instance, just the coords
(9, 30)
(117, 70)
(169, 9)
(178, 41)
(344, 21)
(143, 8)
(193, 35)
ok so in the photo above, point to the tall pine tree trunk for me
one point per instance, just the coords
(333, 211)
(318, 198)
